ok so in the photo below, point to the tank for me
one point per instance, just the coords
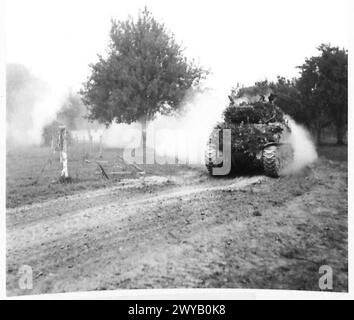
(259, 138)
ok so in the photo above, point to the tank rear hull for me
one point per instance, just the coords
(249, 140)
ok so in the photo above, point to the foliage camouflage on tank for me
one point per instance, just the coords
(257, 134)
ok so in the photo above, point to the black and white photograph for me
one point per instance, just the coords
(175, 145)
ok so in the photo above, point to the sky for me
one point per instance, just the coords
(239, 41)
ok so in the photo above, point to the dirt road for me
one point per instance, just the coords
(251, 232)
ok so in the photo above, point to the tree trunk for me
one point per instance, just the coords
(318, 135)
(90, 141)
(341, 130)
(143, 127)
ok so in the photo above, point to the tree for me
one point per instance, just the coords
(323, 85)
(260, 88)
(72, 112)
(145, 73)
(50, 133)
(289, 99)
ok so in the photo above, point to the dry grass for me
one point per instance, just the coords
(32, 174)
(333, 152)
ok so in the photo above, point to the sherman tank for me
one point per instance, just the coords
(259, 139)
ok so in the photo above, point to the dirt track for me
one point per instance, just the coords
(245, 232)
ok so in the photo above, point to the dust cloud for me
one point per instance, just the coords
(304, 150)
(181, 138)
(184, 137)
(30, 105)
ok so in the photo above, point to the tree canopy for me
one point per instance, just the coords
(145, 73)
(323, 85)
(73, 113)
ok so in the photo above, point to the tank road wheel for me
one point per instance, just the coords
(271, 161)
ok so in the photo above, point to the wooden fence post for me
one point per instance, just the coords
(52, 146)
(63, 143)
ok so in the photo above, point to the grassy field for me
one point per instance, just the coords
(32, 174)
(333, 152)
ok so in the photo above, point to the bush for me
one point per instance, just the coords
(51, 133)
